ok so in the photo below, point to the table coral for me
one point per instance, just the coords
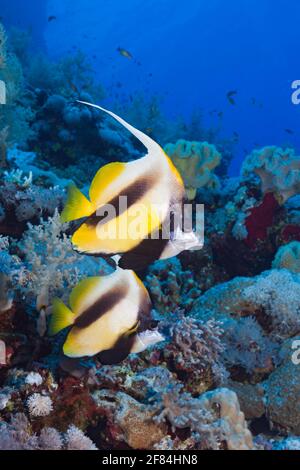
(196, 162)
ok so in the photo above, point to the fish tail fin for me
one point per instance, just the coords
(61, 318)
(77, 205)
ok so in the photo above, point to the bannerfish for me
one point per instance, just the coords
(109, 316)
(127, 207)
(125, 53)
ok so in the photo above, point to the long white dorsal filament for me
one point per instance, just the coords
(152, 146)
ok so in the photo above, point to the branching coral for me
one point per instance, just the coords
(196, 162)
(278, 170)
(49, 266)
(18, 435)
(15, 117)
(194, 354)
(52, 265)
(171, 287)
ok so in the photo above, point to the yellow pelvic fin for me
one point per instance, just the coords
(77, 206)
(83, 289)
(61, 318)
(103, 178)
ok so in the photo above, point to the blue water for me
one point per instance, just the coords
(190, 53)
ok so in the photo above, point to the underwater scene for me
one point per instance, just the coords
(149, 225)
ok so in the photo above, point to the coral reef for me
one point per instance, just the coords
(225, 376)
(18, 435)
(171, 287)
(277, 168)
(16, 115)
(194, 354)
(196, 162)
(288, 257)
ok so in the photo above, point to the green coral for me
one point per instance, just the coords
(196, 162)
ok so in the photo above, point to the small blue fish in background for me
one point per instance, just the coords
(108, 317)
(125, 53)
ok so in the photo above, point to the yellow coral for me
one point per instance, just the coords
(196, 162)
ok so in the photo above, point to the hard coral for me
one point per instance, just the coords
(171, 287)
(15, 116)
(215, 418)
(18, 435)
(263, 297)
(128, 420)
(269, 291)
(194, 354)
(196, 162)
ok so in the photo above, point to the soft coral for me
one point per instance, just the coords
(260, 219)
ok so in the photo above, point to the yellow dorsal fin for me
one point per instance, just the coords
(103, 178)
(77, 206)
(82, 291)
(61, 318)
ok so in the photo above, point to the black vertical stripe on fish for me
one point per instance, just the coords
(106, 302)
(148, 251)
(134, 193)
(119, 351)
